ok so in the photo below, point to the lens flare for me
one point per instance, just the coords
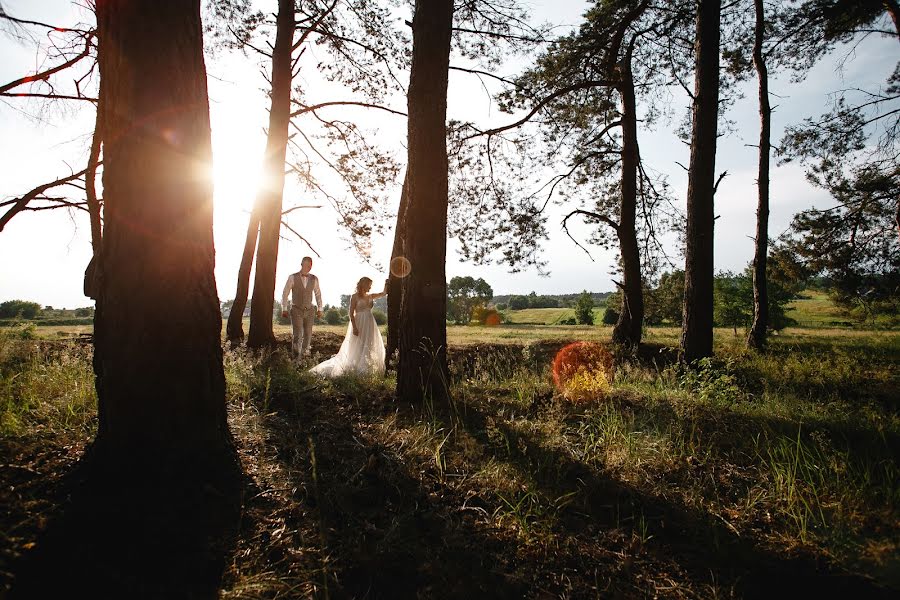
(400, 267)
(492, 319)
(582, 371)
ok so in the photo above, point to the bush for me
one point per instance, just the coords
(19, 308)
(380, 317)
(610, 316)
(332, 317)
(569, 321)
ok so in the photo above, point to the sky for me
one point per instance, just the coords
(43, 254)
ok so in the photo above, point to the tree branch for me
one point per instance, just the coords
(20, 203)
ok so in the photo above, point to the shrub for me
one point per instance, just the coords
(380, 317)
(610, 316)
(332, 317)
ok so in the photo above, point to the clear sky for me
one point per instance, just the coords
(43, 255)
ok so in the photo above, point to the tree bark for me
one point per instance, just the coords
(158, 357)
(395, 281)
(234, 330)
(423, 369)
(757, 336)
(893, 9)
(93, 204)
(697, 324)
(631, 318)
(271, 195)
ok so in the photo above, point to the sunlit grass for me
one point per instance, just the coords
(794, 447)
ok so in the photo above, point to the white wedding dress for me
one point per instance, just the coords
(361, 354)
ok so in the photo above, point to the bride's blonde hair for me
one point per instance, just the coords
(363, 282)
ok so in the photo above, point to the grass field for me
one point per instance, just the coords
(753, 475)
(546, 316)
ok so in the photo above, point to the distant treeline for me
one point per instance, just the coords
(15, 311)
(533, 300)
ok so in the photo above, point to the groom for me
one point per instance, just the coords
(301, 287)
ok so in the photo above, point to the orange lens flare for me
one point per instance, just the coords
(583, 371)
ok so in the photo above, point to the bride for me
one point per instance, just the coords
(362, 351)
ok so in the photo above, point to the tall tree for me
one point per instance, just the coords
(364, 48)
(697, 323)
(158, 357)
(422, 365)
(584, 89)
(757, 336)
(397, 274)
(269, 204)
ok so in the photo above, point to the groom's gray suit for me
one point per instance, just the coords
(301, 289)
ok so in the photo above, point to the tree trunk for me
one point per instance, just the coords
(697, 324)
(396, 278)
(93, 204)
(757, 336)
(158, 356)
(422, 369)
(234, 330)
(631, 318)
(893, 9)
(272, 192)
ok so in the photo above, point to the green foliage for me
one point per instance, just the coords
(584, 309)
(19, 309)
(664, 303)
(733, 300)
(711, 380)
(332, 317)
(854, 244)
(610, 316)
(379, 316)
(464, 294)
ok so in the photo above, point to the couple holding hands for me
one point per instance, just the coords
(362, 350)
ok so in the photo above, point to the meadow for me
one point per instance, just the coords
(751, 475)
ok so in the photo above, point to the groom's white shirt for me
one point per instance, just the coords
(304, 279)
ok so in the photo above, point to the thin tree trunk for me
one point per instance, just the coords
(757, 336)
(93, 204)
(158, 357)
(396, 278)
(423, 369)
(893, 9)
(631, 318)
(90, 178)
(697, 324)
(234, 330)
(272, 192)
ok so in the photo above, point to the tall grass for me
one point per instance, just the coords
(50, 388)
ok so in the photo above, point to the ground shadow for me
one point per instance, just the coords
(385, 535)
(132, 535)
(699, 543)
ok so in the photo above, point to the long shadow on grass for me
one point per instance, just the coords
(133, 535)
(384, 534)
(699, 544)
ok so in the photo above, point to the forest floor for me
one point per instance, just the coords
(754, 476)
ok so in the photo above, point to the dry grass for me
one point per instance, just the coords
(753, 474)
